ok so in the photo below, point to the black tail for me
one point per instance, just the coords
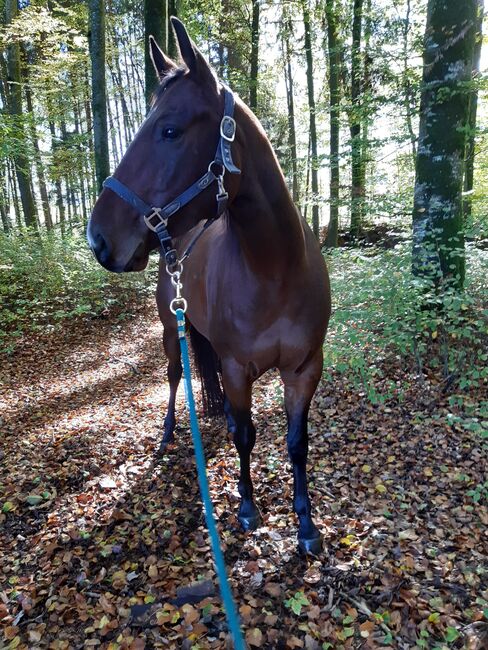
(207, 364)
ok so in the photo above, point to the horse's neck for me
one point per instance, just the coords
(263, 215)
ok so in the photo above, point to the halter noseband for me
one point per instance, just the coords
(156, 219)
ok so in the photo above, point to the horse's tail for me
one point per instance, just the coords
(207, 363)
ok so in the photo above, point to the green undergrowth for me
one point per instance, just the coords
(386, 325)
(45, 281)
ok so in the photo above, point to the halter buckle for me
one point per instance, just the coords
(228, 128)
(161, 221)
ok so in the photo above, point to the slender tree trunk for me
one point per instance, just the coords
(407, 88)
(5, 221)
(366, 106)
(357, 188)
(99, 89)
(473, 110)
(81, 160)
(313, 126)
(438, 237)
(21, 160)
(334, 61)
(12, 181)
(38, 162)
(4, 202)
(253, 78)
(155, 24)
(57, 182)
(128, 127)
(292, 139)
(113, 137)
(172, 46)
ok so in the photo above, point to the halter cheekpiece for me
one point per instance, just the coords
(156, 218)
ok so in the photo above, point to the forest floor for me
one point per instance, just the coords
(102, 542)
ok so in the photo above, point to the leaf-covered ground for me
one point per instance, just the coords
(103, 544)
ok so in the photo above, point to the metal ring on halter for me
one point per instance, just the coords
(178, 269)
(178, 301)
(221, 165)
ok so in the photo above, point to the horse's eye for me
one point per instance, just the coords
(171, 133)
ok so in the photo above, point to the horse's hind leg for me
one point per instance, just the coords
(237, 386)
(299, 390)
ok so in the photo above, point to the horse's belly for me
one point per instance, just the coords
(284, 344)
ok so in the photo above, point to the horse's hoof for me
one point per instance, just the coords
(311, 546)
(163, 448)
(251, 522)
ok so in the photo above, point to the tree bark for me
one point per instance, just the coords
(473, 111)
(99, 89)
(253, 79)
(21, 161)
(438, 237)
(357, 183)
(334, 61)
(313, 125)
(155, 24)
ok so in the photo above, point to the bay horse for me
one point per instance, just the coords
(256, 282)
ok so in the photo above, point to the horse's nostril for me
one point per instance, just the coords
(100, 247)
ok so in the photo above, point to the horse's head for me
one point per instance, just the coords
(171, 150)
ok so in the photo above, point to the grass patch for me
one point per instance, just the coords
(383, 315)
(47, 280)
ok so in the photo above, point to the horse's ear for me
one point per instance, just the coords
(162, 64)
(191, 55)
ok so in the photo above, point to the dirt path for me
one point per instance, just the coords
(98, 534)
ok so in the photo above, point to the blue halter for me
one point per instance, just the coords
(156, 219)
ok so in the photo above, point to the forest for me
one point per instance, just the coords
(378, 114)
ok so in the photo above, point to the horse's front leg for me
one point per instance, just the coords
(172, 348)
(171, 344)
(299, 390)
(238, 393)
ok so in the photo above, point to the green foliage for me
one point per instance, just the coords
(44, 282)
(297, 602)
(382, 314)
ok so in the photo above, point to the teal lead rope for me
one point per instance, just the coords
(225, 591)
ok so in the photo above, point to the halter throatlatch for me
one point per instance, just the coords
(156, 219)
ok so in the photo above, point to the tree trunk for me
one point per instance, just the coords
(38, 162)
(292, 139)
(473, 110)
(313, 126)
(253, 79)
(57, 182)
(438, 237)
(367, 109)
(334, 61)
(172, 46)
(407, 88)
(357, 186)
(155, 24)
(4, 201)
(99, 89)
(14, 193)
(21, 160)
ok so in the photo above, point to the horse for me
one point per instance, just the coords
(255, 282)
